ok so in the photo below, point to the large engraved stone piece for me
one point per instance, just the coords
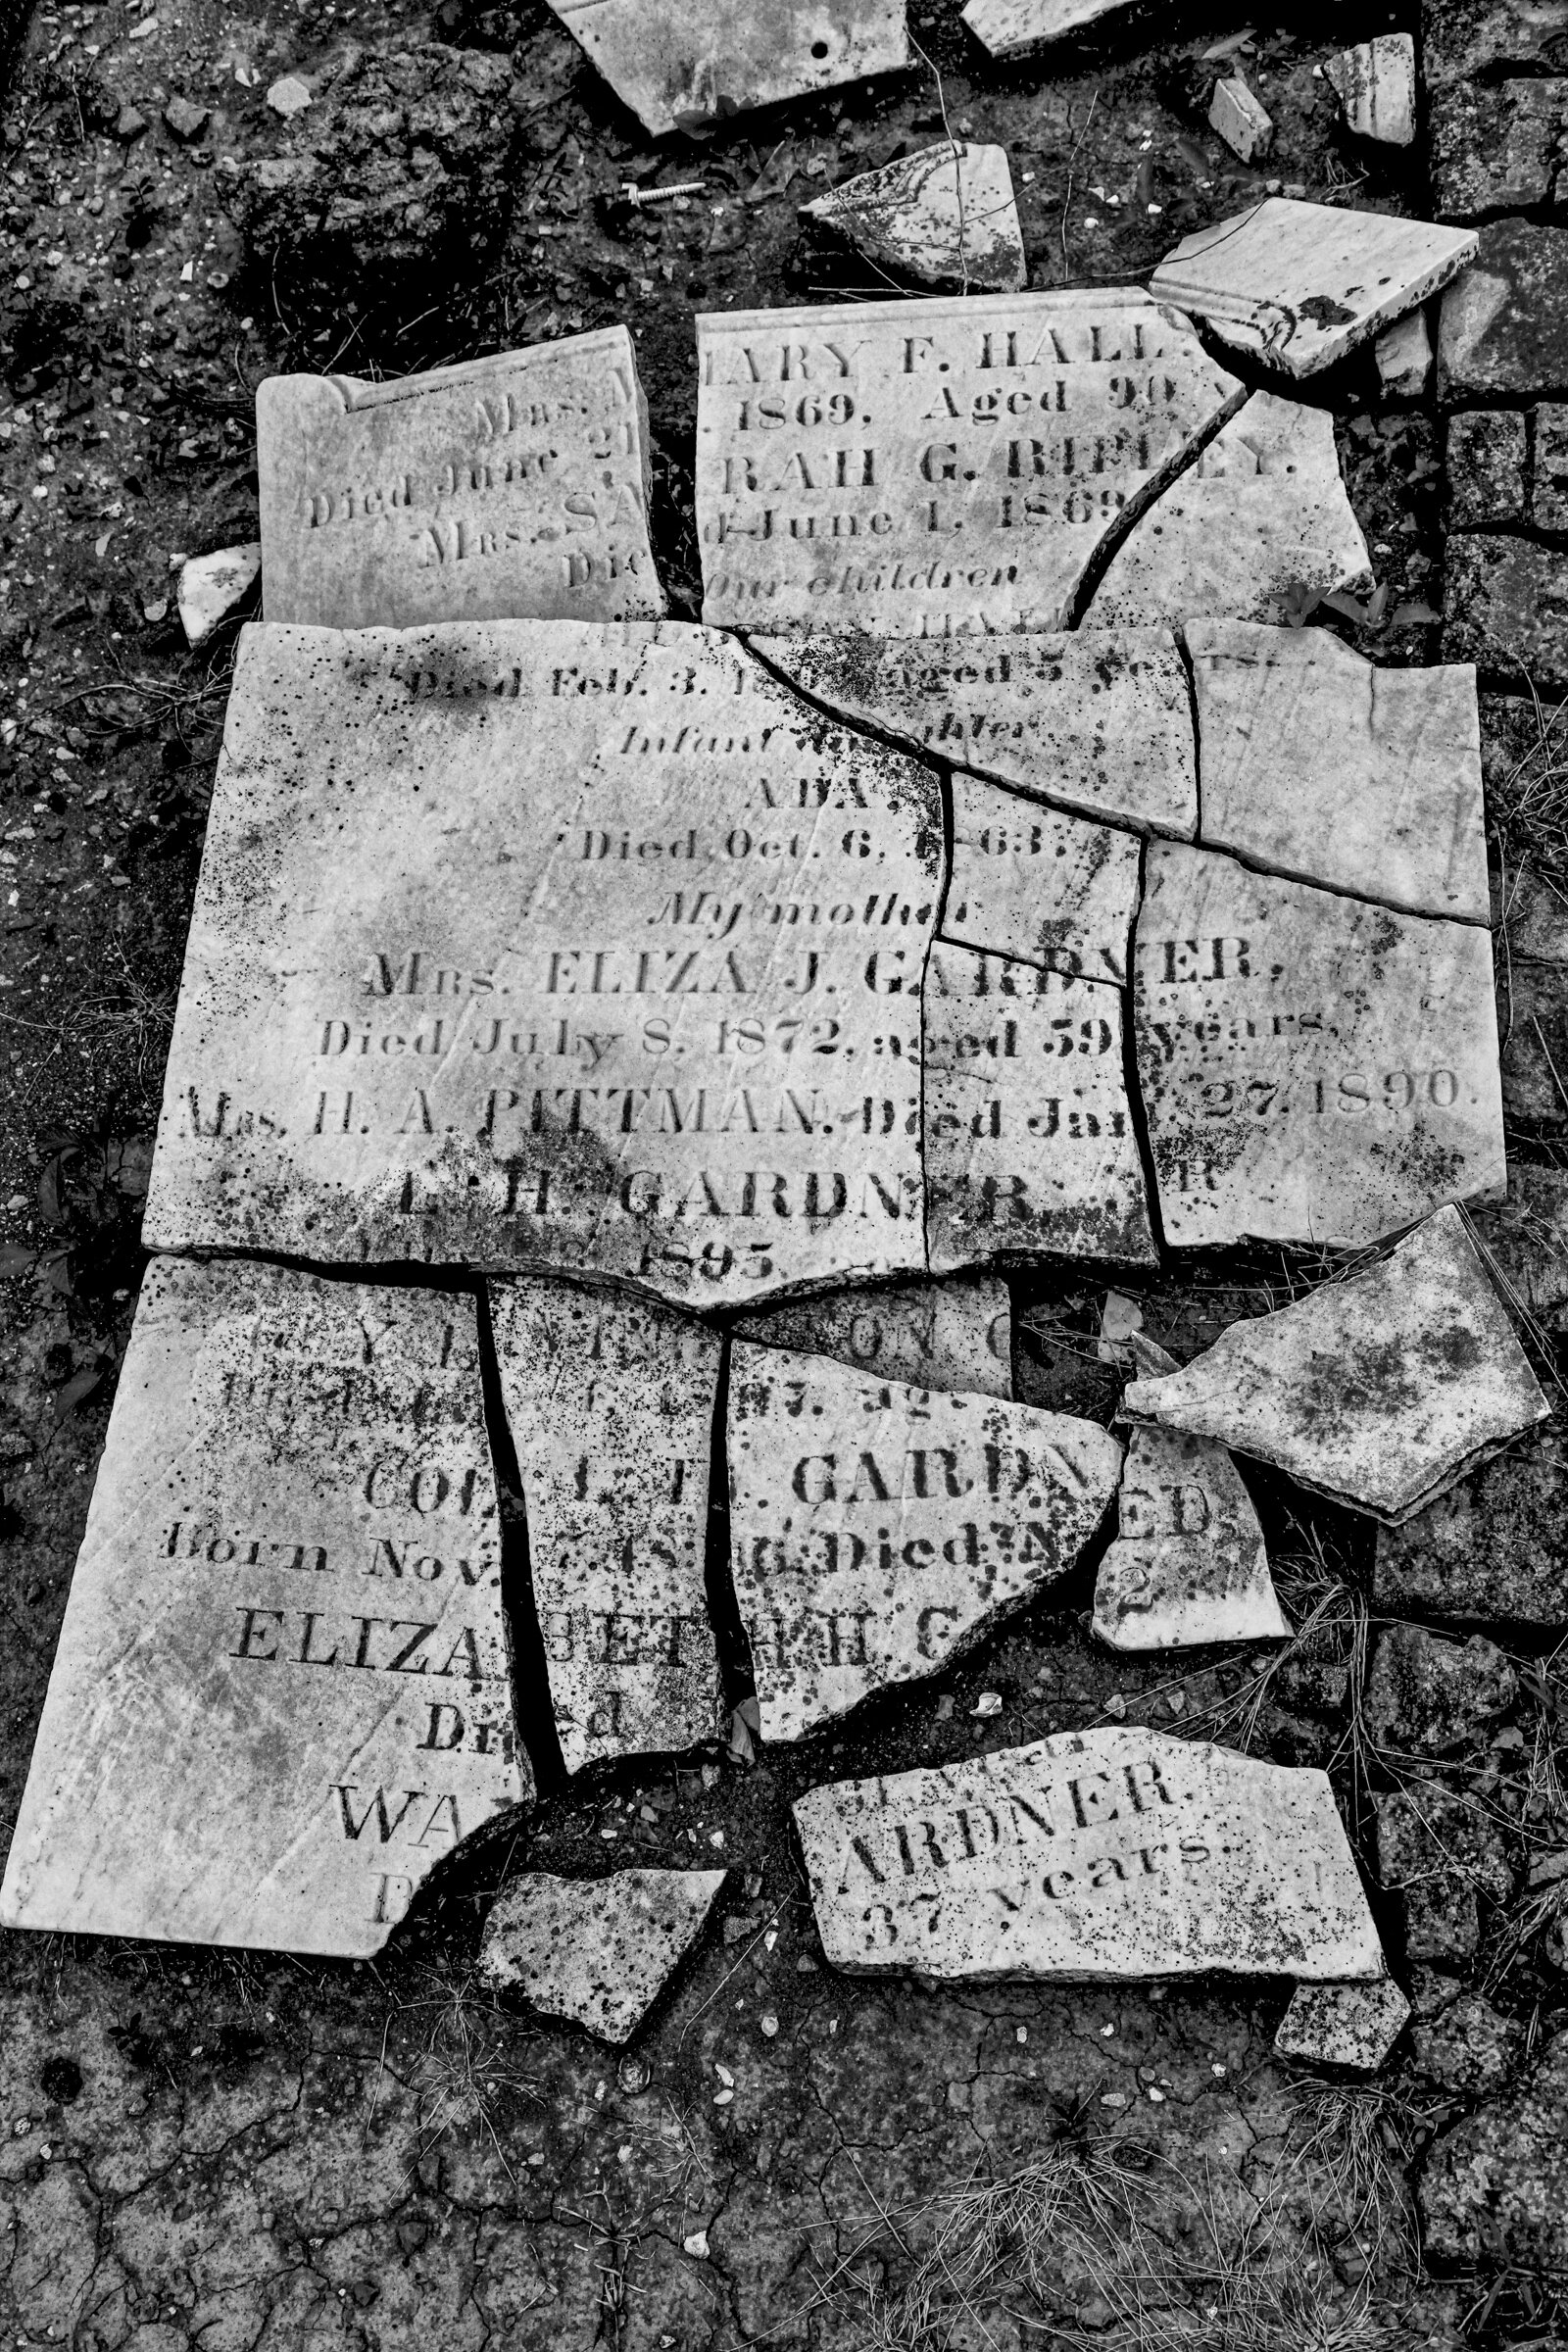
(1098, 723)
(1030, 1147)
(933, 467)
(538, 945)
(1005, 26)
(928, 1334)
(1318, 766)
(1188, 1564)
(281, 1692)
(1037, 885)
(1095, 1855)
(1260, 517)
(1313, 1069)
(944, 217)
(610, 1400)
(597, 1950)
(687, 65)
(877, 1530)
(514, 487)
(1298, 286)
(1381, 1390)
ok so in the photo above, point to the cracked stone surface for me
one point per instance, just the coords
(1037, 887)
(1012, 1171)
(1381, 1389)
(1319, 766)
(610, 1403)
(1298, 286)
(690, 68)
(877, 1531)
(929, 1334)
(725, 874)
(1313, 1069)
(944, 217)
(1098, 723)
(1495, 1545)
(1108, 1854)
(294, 1519)
(501, 489)
(602, 1951)
(1189, 1563)
(958, 527)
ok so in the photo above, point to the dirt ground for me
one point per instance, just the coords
(249, 2154)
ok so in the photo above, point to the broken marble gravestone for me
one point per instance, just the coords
(282, 1690)
(504, 488)
(540, 946)
(934, 467)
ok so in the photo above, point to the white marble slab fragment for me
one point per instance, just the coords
(1004, 27)
(542, 946)
(1381, 1390)
(1375, 83)
(937, 467)
(1188, 1564)
(1104, 1856)
(945, 217)
(931, 1335)
(1313, 1069)
(1298, 286)
(1030, 1147)
(1098, 723)
(281, 1694)
(1318, 765)
(1353, 2026)
(1260, 517)
(1038, 886)
(512, 488)
(876, 1530)
(599, 1951)
(611, 1400)
(211, 586)
(691, 66)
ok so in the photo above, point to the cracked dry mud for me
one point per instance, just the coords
(229, 2151)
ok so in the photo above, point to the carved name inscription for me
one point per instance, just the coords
(509, 487)
(925, 468)
(876, 1529)
(582, 948)
(611, 1404)
(1029, 1143)
(1109, 1854)
(932, 1335)
(281, 1692)
(1313, 1069)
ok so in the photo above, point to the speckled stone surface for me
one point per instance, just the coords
(597, 1950)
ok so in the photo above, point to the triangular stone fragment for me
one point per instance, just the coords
(1313, 1069)
(931, 1335)
(1353, 2026)
(689, 65)
(1188, 1564)
(945, 217)
(1030, 1147)
(1380, 1390)
(1102, 1855)
(512, 488)
(597, 1950)
(210, 587)
(611, 1400)
(923, 467)
(1259, 518)
(1037, 885)
(281, 1694)
(877, 1531)
(1004, 27)
(1298, 286)
(543, 947)
(1319, 766)
(1097, 722)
